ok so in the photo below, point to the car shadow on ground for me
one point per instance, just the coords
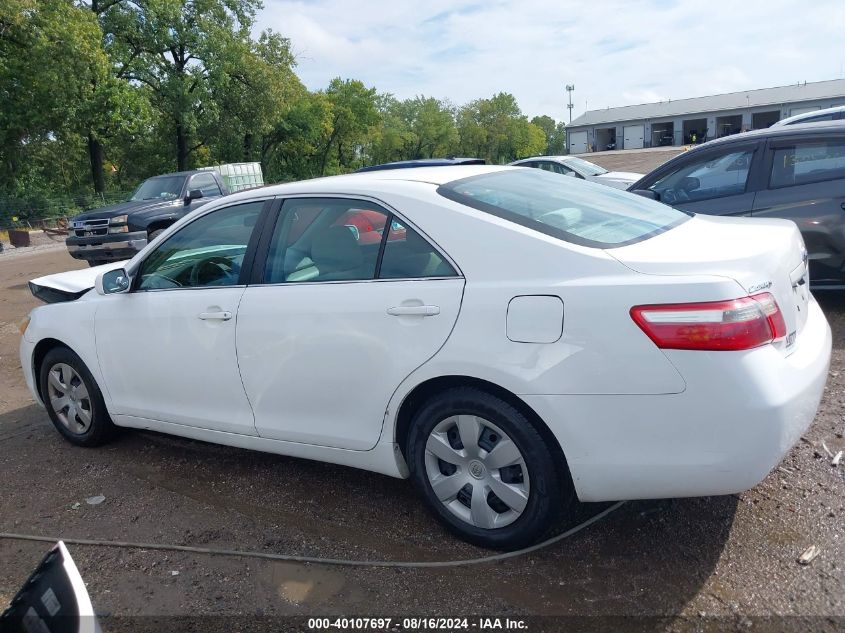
(646, 558)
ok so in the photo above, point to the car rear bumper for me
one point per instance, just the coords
(107, 247)
(738, 417)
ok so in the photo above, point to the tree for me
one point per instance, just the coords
(353, 114)
(50, 53)
(178, 48)
(113, 105)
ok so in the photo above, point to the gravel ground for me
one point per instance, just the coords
(640, 161)
(694, 558)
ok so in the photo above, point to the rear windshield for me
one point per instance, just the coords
(572, 210)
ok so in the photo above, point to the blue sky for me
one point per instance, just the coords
(615, 52)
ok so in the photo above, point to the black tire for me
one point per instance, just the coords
(97, 262)
(154, 234)
(101, 428)
(551, 491)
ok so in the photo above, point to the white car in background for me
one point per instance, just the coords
(510, 340)
(580, 168)
(816, 116)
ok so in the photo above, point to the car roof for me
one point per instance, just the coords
(425, 162)
(808, 115)
(560, 159)
(802, 129)
(182, 173)
(360, 183)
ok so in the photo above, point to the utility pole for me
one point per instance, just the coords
(569, 89)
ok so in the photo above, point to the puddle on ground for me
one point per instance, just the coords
(298, 584)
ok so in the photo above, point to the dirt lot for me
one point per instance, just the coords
(721, 556)
(640, 161)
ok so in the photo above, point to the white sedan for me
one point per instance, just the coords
(511, 340)
(583, 169)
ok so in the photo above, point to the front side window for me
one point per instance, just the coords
(600, 217)
(160, 188)
(808, 162)
(208, 252)
(206, 184)
(337, 239)
(715, 176)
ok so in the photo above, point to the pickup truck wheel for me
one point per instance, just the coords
(97, 262)
(73, 399)
(154, 234)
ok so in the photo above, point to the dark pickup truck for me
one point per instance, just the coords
(119, 231)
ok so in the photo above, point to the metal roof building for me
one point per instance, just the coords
(684, 121)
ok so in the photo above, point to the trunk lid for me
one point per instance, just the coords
(761, 255)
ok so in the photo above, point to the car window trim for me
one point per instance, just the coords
(249, 255)
(259, 265)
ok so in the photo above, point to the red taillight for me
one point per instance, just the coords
(718, 326)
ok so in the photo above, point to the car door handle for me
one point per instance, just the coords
(223, 315)
(424, 311)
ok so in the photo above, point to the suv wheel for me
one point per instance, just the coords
(73, 399)
(484, 471)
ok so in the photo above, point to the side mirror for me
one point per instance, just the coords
(194, 194)
(647, 193)
(113, 282)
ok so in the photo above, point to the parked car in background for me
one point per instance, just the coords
(580, 168)
(514, 341)
(450, 161)
(816, 116)
(118, 231)
(796, 172)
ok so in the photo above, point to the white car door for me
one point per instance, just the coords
(167, 348)
(349, 301)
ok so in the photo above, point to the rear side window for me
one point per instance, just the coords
(407, 255)
(808, 162)
(565, 208)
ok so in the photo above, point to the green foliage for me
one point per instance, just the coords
(97, 95)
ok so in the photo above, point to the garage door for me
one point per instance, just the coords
(633, 136)
(578, 142)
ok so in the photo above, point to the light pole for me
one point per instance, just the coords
(569, 89)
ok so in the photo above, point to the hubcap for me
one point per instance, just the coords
(69, 398)
(477, 471)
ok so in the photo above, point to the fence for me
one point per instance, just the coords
(38, 212)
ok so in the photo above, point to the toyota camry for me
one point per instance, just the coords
(510, 340)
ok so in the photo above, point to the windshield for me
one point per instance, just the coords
(585, 167)
(163, 188)
(572, 210)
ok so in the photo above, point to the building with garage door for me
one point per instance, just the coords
(686, 121)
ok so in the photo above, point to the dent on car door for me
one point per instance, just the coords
(349, 301)
(167, 348)
(715, 183)
(805, 180)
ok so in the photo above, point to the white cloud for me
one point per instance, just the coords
(615, 52)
